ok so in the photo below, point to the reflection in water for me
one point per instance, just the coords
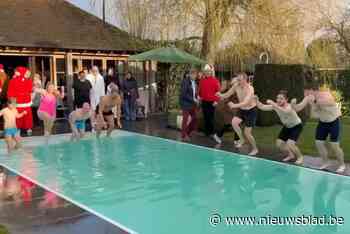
(325, 201)
(152, 185)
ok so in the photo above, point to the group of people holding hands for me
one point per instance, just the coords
(242, 104)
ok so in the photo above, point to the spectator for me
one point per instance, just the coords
(131, 94)
(98, 87)
(209, 86)
(82, 89)
(111, 77)
(37, 84)
(188, 103)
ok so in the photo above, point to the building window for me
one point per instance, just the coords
(87, 64)
(60, 72)
(98, 63)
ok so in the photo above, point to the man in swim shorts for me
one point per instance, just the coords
(247, 112)
(292, 126)
(104, 111)
(77, 120)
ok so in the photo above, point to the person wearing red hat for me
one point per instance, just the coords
(20, 87)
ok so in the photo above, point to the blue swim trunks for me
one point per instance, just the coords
(12, 132)
(80, 124)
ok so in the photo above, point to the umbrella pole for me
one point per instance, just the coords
(149, 86)
(166, 92)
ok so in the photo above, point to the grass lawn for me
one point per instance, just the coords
(266, 136)
(3, 230)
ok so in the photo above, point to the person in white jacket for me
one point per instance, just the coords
(98, 87)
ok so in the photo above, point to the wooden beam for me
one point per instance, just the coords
(104, 65)
(53, 69)
(32, 65)
(80, 64)
(69, 80)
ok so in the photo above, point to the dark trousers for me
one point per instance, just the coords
(227, 128)
(188, 128)
(130, 108)
(36, 119)
(209, 117)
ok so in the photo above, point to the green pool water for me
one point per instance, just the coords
(156, 186)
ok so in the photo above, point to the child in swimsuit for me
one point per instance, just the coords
(11, 132)
(47, 108)
(77, 120)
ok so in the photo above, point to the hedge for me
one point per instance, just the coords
(269, 79)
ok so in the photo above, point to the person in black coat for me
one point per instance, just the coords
(189, 102)
(82, 88)
(111, 77)
(131, 94)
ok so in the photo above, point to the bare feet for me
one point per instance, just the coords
(240, 144)
(325, 165)
(300, 161)
(341, 169)
(288, 158)
(254, 152)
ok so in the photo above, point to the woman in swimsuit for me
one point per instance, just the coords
(47, 108)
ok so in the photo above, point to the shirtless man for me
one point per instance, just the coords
(104, 111)
(247, 112)
(11, 132)
(292, 126)
(326, 110)
(77, 120)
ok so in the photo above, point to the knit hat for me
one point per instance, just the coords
(208, 69)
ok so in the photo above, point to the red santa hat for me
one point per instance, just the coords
(1, 67)
(21, 71)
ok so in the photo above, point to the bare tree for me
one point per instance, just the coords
(275, 26)
(333, 18)
(215, 17)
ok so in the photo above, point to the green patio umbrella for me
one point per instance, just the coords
(167, 55)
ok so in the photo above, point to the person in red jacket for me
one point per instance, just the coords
(20, 87)
(209, 86)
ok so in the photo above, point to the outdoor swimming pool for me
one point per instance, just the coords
(156, 186)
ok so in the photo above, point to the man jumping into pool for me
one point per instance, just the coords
(105, 114)
(247, 112)
(77, 121)
(292, 126)
(326, 110)
(10, 115)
